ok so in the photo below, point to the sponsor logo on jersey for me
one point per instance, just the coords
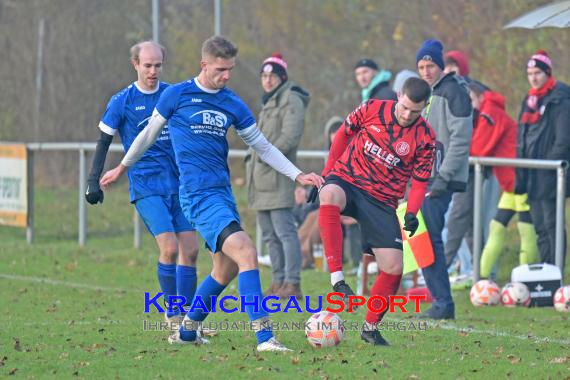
(371, 149)
(211, 117)
(196, 100)
(402, 148)
(140, 108)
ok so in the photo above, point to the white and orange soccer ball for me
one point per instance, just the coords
(562, 299)
(324, 329)
(515, 294)
(485, 293)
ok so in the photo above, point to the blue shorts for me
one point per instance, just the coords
(210, 211)
(162, 213)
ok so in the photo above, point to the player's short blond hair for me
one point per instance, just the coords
(136, 49)
(219, 47)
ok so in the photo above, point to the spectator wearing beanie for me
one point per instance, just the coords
(282, 121)
(543, 134)
(375, 83)
(450, 115)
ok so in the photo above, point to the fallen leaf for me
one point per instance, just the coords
(17, 346)
(3, 361)
(295, 360)
(513, 359)
(13, 371)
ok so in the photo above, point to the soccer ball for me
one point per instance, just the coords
(562, 299)
(485, 292)
(324, 329)
(515, 294)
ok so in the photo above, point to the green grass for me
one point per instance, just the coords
(60, 329)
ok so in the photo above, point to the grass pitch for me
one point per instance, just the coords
(70, 312)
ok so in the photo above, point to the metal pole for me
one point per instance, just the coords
(477, 228)
(82, 209)
(258, 238)
(155, 21)
(560, 225)
(217, 17)
(137, 241)
(30, 189)
(39, 81)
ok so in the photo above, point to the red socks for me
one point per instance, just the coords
(385, 285)
(331, 235)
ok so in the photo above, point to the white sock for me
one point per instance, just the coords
(336, 277)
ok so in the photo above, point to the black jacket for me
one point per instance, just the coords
(383, 91)
(549, 139)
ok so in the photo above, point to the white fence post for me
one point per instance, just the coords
(82, 227)
(560, 224)
(137, 239)
(30, 227)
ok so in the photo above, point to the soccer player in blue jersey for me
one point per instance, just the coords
(199, 113)
(153, 181)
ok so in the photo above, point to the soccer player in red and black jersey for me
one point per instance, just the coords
(379, 147)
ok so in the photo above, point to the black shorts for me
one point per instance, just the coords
(379, 226)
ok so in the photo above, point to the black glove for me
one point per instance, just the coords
(94, 194)
(411, 223)
(313, 195)
(438, 187)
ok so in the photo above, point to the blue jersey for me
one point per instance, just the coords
(128, 112)
(199, 119)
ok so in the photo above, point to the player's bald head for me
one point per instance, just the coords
(146, 46)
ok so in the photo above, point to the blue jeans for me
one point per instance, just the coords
(436, 277)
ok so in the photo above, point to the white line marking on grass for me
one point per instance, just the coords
(42, 280)
(496, 333)
(74, 323)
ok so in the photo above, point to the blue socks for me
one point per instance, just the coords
(167, 279)
(249, 286)
(186, 282)
(208, 288)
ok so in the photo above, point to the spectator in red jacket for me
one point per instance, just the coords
(495, 135)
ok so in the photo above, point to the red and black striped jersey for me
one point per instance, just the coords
(382, 155)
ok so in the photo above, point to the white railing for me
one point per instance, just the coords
(478, 162)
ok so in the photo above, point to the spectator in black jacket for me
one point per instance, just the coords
(544, 133)
(375, 83)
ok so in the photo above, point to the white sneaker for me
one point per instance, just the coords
(272, 345)
(264, 260)
(204, 331)
(175, 339)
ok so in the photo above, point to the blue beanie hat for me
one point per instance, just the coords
(431, 50)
